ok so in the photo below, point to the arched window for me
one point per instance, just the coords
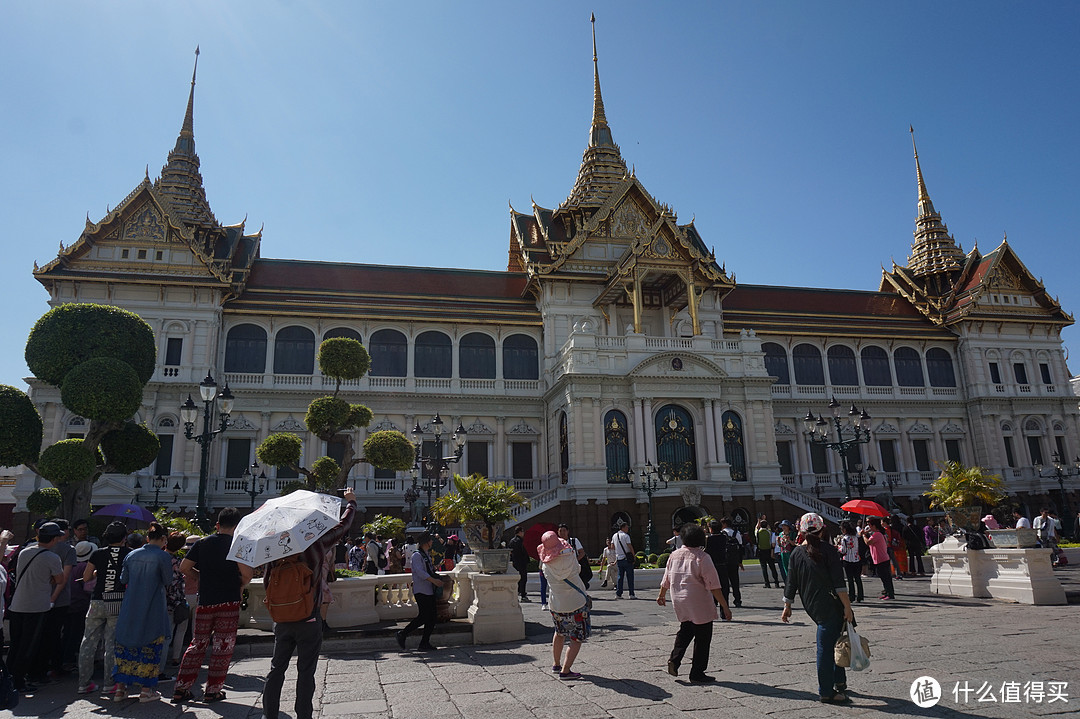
(842, 371)
(616, 446)
(245, 349)
(349, 334)
(564, 449)
(433, 355)
(734, 451)
(908, 365)
(939, 368)
(389, 354)
(675, 453)
(476, 356)
(294, 351)
(776, 362)
(875, 367)
(807, 361)
(520, 359)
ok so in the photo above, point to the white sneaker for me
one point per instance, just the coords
(543, 607)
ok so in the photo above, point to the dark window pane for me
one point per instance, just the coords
(1035, 450)
(245, 349)
(616, 446)
(477, 457)
(389, 354)
(995, 373)
(433, 355)
(776, 362)
(345, 332)
(908, 367)
(294, 351)
(952, 451)
(1044, 370)
(875, 367)
(734, 450)
(173, 348)
(922, 454)
(675, 450)
(287, 473)
(783, 456)
(887, 449)
(476, 356)
(1010, 458)
(383, 473)
(564, 450)
(939, 367)
(163, 465)
(1020, 373)
(238, 457)
(335, 450)
(807, 361)
(819, 464)
(520, 358)
(842, 370)
(521, 455)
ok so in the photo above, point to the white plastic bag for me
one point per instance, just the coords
(860, 650)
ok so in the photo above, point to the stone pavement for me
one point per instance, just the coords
(764, 667)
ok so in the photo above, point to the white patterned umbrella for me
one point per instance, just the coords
(284, 526)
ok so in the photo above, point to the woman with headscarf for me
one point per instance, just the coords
(143, 627)
(816, 574)
(694, 583)
(567, 601)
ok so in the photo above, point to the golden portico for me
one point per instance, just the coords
(615, 338)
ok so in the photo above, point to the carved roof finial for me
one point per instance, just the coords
(598, 117)
(933, 250)
(189, 116)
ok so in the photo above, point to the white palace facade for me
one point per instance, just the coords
(613, 338)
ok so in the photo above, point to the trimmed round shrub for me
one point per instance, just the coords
(653, 558)
(21, 430)
(68, 335)
(68, 461)
(389, 449)
(131, 447)
(44, 501)
(102, 388)
(343, 358)
(327, 413)
(359, 416)
(326, 471)
(661, 561)
(280, 450)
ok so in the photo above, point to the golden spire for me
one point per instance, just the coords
(598, 118)
(934, 250)
(926, 207)
(188, 128)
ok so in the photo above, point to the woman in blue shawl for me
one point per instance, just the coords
(143, 626)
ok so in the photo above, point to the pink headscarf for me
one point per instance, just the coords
(551, 546)
(991, 522)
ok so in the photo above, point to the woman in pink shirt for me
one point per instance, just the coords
(879, 555)
(691, 576)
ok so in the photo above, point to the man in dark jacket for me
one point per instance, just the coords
(519, 557)
(304, 637)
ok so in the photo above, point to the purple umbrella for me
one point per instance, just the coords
(125, 511)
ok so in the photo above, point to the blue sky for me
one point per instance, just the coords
(397, 132)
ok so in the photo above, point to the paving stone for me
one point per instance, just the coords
(355, 708)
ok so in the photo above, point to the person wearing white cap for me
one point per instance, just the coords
(816, 574)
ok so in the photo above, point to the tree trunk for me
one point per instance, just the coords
(76, 500)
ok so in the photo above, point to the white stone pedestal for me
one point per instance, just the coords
(1019, 575)
(495, 612)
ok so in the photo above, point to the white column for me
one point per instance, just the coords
(710, 432)
(650, 430)
(639, 434)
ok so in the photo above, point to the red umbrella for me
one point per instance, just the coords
(533, 535)
(865, 507)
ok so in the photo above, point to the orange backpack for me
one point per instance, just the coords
(290, 593)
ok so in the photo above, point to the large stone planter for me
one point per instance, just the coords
(965, 517)
(1019, 575)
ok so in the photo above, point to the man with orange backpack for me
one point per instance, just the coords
(297, 625)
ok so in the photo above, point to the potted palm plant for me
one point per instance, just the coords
(482, 507)
(962, 491)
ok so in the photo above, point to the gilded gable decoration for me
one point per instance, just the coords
(145, 226)
(1003, 279)
(629, 221)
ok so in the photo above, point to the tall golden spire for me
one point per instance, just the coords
(934, 251)
(602, 166)
(180, 182)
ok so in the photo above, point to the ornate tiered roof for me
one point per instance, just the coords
(934, 251)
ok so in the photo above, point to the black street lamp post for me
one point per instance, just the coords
(434, 470)
(819, 431)
(860, 480)
(258, 482)
(650, 481)
(1061, 471)
(189, 412)
(159, 484)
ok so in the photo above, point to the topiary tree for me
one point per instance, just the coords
(44, 502)
(331, 418)
(100, 358)
(385, 525)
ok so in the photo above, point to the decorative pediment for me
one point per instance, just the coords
(919, 428)
(886, 428)
(782, 429)
(386, 425)
(522, 427)
(479, 427)
(952, 428)
(289, 424)
(1002, 278)
(145, 225)
(690, 495)
(675, 365)
(241, 422)
(629, 221)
